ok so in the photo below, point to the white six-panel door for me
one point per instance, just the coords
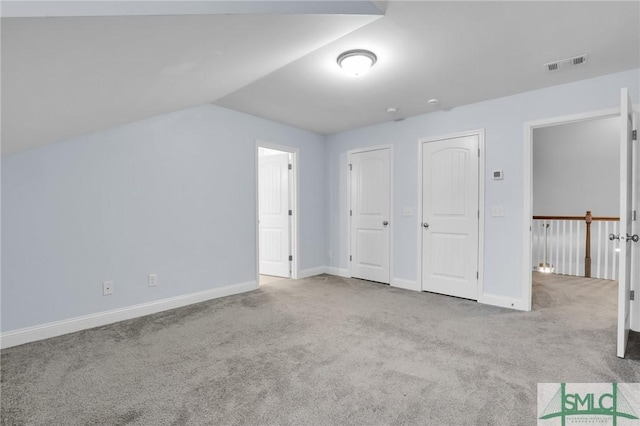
(274, 229)
(450, 227)
(370, 215)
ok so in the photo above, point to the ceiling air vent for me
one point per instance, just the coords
(566, 63)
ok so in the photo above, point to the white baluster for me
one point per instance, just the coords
(578, 249)
(563, 245)
(599, 241)
(606, 251)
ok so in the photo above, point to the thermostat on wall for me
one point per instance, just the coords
(497, 175)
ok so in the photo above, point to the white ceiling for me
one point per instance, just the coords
(457, 52)
(66, 76)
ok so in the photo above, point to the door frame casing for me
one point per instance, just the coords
(527, 210)
(391, 198)
(481, 183)
(295, 202)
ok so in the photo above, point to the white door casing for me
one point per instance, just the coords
(274, 220)
(370, 205)
(626, 217)
(450, 216)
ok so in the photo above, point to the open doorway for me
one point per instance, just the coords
(276, 212)
(576, 206)
(576, 187)
(627, 259)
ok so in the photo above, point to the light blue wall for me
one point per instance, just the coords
(503, 120)
(576, 167)
(172, 195)
(175, 195)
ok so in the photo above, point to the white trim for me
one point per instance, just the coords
(504, 302)
(527, 191)
(405, 284)
(338, 272)
(391, 203)
(481, 182)
(306, 273)
(635, 248)
(295, 193)
(481, 218)
(71, 325)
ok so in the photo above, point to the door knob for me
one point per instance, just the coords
(613, 237)
(633, 238)
(385, 223)
(426, 225)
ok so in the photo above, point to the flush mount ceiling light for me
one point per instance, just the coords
(356, 62)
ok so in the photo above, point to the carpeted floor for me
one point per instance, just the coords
(321, 351)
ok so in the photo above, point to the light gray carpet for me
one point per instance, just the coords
(321, 351)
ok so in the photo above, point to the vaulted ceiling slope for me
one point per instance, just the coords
(64, 76)
(95, 65)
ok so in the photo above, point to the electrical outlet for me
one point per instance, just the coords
(152, 280)
(107, 288)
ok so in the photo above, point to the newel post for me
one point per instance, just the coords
(587, 257)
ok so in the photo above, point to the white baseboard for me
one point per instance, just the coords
(502, 301)
(306, 273)
(405, 284)
(57, 328)
(340, 272)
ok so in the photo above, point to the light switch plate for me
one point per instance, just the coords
(497, 211)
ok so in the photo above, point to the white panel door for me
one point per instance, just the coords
(625, 237)
(450, 227)
(273, 197)
(370, 211)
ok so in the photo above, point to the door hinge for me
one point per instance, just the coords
(350, 212)
(350, 166)
(350, 258)
(478, 214)
(290, 166)
(290, 212)
(290, 258)
(634, 215)
(632, 295)
(477, 275)
(478, 152)
(634, 135)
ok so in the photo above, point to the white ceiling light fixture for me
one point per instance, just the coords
(357, 62)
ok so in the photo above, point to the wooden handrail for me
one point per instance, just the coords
(601, 218)
(588, 218)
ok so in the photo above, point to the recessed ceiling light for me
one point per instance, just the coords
(392, 110)
(357, 62)
(433, 101)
